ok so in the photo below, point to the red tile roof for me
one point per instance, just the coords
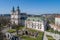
(57, 16)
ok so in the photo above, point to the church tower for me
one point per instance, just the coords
(15, 16)
(12, 15)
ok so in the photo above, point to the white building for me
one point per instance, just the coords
(57, 22)
(37, 23)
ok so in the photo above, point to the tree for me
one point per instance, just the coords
(16, 27)
(1, 34)
(48, 26)
(4, 21)
(9, 25)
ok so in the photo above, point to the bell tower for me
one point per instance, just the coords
(17, 16)
(12, 15)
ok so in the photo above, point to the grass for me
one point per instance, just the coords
(39, 37)
(27, 38)
(51, 30)
(11, 30)
(14, 30)
(31, 30)
(50, 37)
(21, 27)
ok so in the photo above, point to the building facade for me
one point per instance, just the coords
(57, 20)
(23, 17)
(57, 23)
(17, 17)
(37, 23)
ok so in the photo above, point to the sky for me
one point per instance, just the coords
(30, 6)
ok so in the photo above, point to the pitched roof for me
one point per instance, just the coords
(35, 18)
(58, 16)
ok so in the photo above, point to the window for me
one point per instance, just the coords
(32, 25)
(40, 26)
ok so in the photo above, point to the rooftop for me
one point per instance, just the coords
(35, 18)
(58, 16)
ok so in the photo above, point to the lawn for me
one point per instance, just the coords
(50, 37)
(11, 30)
(39, 37)
(21, 27)
(14, 30)
(27, 38)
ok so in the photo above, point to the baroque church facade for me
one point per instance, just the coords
(17, 17)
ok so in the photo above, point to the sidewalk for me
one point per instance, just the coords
(45, 38)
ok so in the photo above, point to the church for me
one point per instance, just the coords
(17, 17)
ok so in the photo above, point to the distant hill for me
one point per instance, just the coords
(4, 14)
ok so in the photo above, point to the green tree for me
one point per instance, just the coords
(16, 27)
(48, 26)
(1, 34)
